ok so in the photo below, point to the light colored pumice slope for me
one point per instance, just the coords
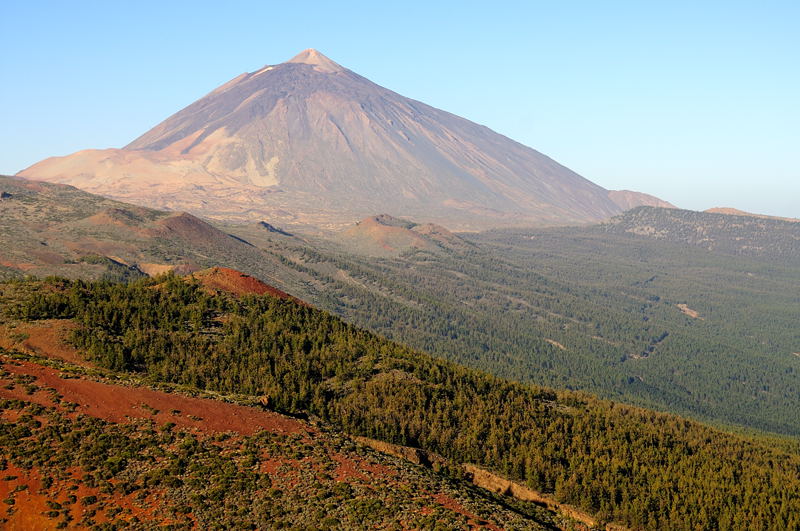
(311, 142)
(385, 235)
(627, 199)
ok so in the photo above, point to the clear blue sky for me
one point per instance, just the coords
(697, 102)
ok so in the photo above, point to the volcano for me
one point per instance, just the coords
(309, 142)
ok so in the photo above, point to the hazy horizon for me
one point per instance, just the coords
(694, 104)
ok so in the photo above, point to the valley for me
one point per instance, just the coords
(593, 308)
(503, 301)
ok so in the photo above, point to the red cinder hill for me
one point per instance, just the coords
(224, 279)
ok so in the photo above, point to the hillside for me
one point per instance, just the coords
(49, 229)
(227, 280)
(627, 199)
(585, 309)
(384, 235)
(623, 464)
(727, 233)
(82, 449)
(309, 142)
(580, 308)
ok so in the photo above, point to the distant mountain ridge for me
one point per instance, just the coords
(726, 233)
(309, 142)
(736, 212)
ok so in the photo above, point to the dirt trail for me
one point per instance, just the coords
(556, 344)
(490, 481)
(487, 480)
(688, 311)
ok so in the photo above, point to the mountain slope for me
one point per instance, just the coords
(384, 235)
(623, 464)
(502, 301)
(152, 458)
(627, 199)
(48, 229)
(729, 232)
(311, 142)
(586, 308)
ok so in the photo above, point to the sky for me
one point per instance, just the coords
(695, 102)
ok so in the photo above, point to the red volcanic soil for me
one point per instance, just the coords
(16, 265)
(45, 338)
(30, 509)
(231, 281)
(350, 467)
(120, 404)
(449, 503)
(30, 505)
(115, 403)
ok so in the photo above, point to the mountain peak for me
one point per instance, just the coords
(272, 143)
(317, 60)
